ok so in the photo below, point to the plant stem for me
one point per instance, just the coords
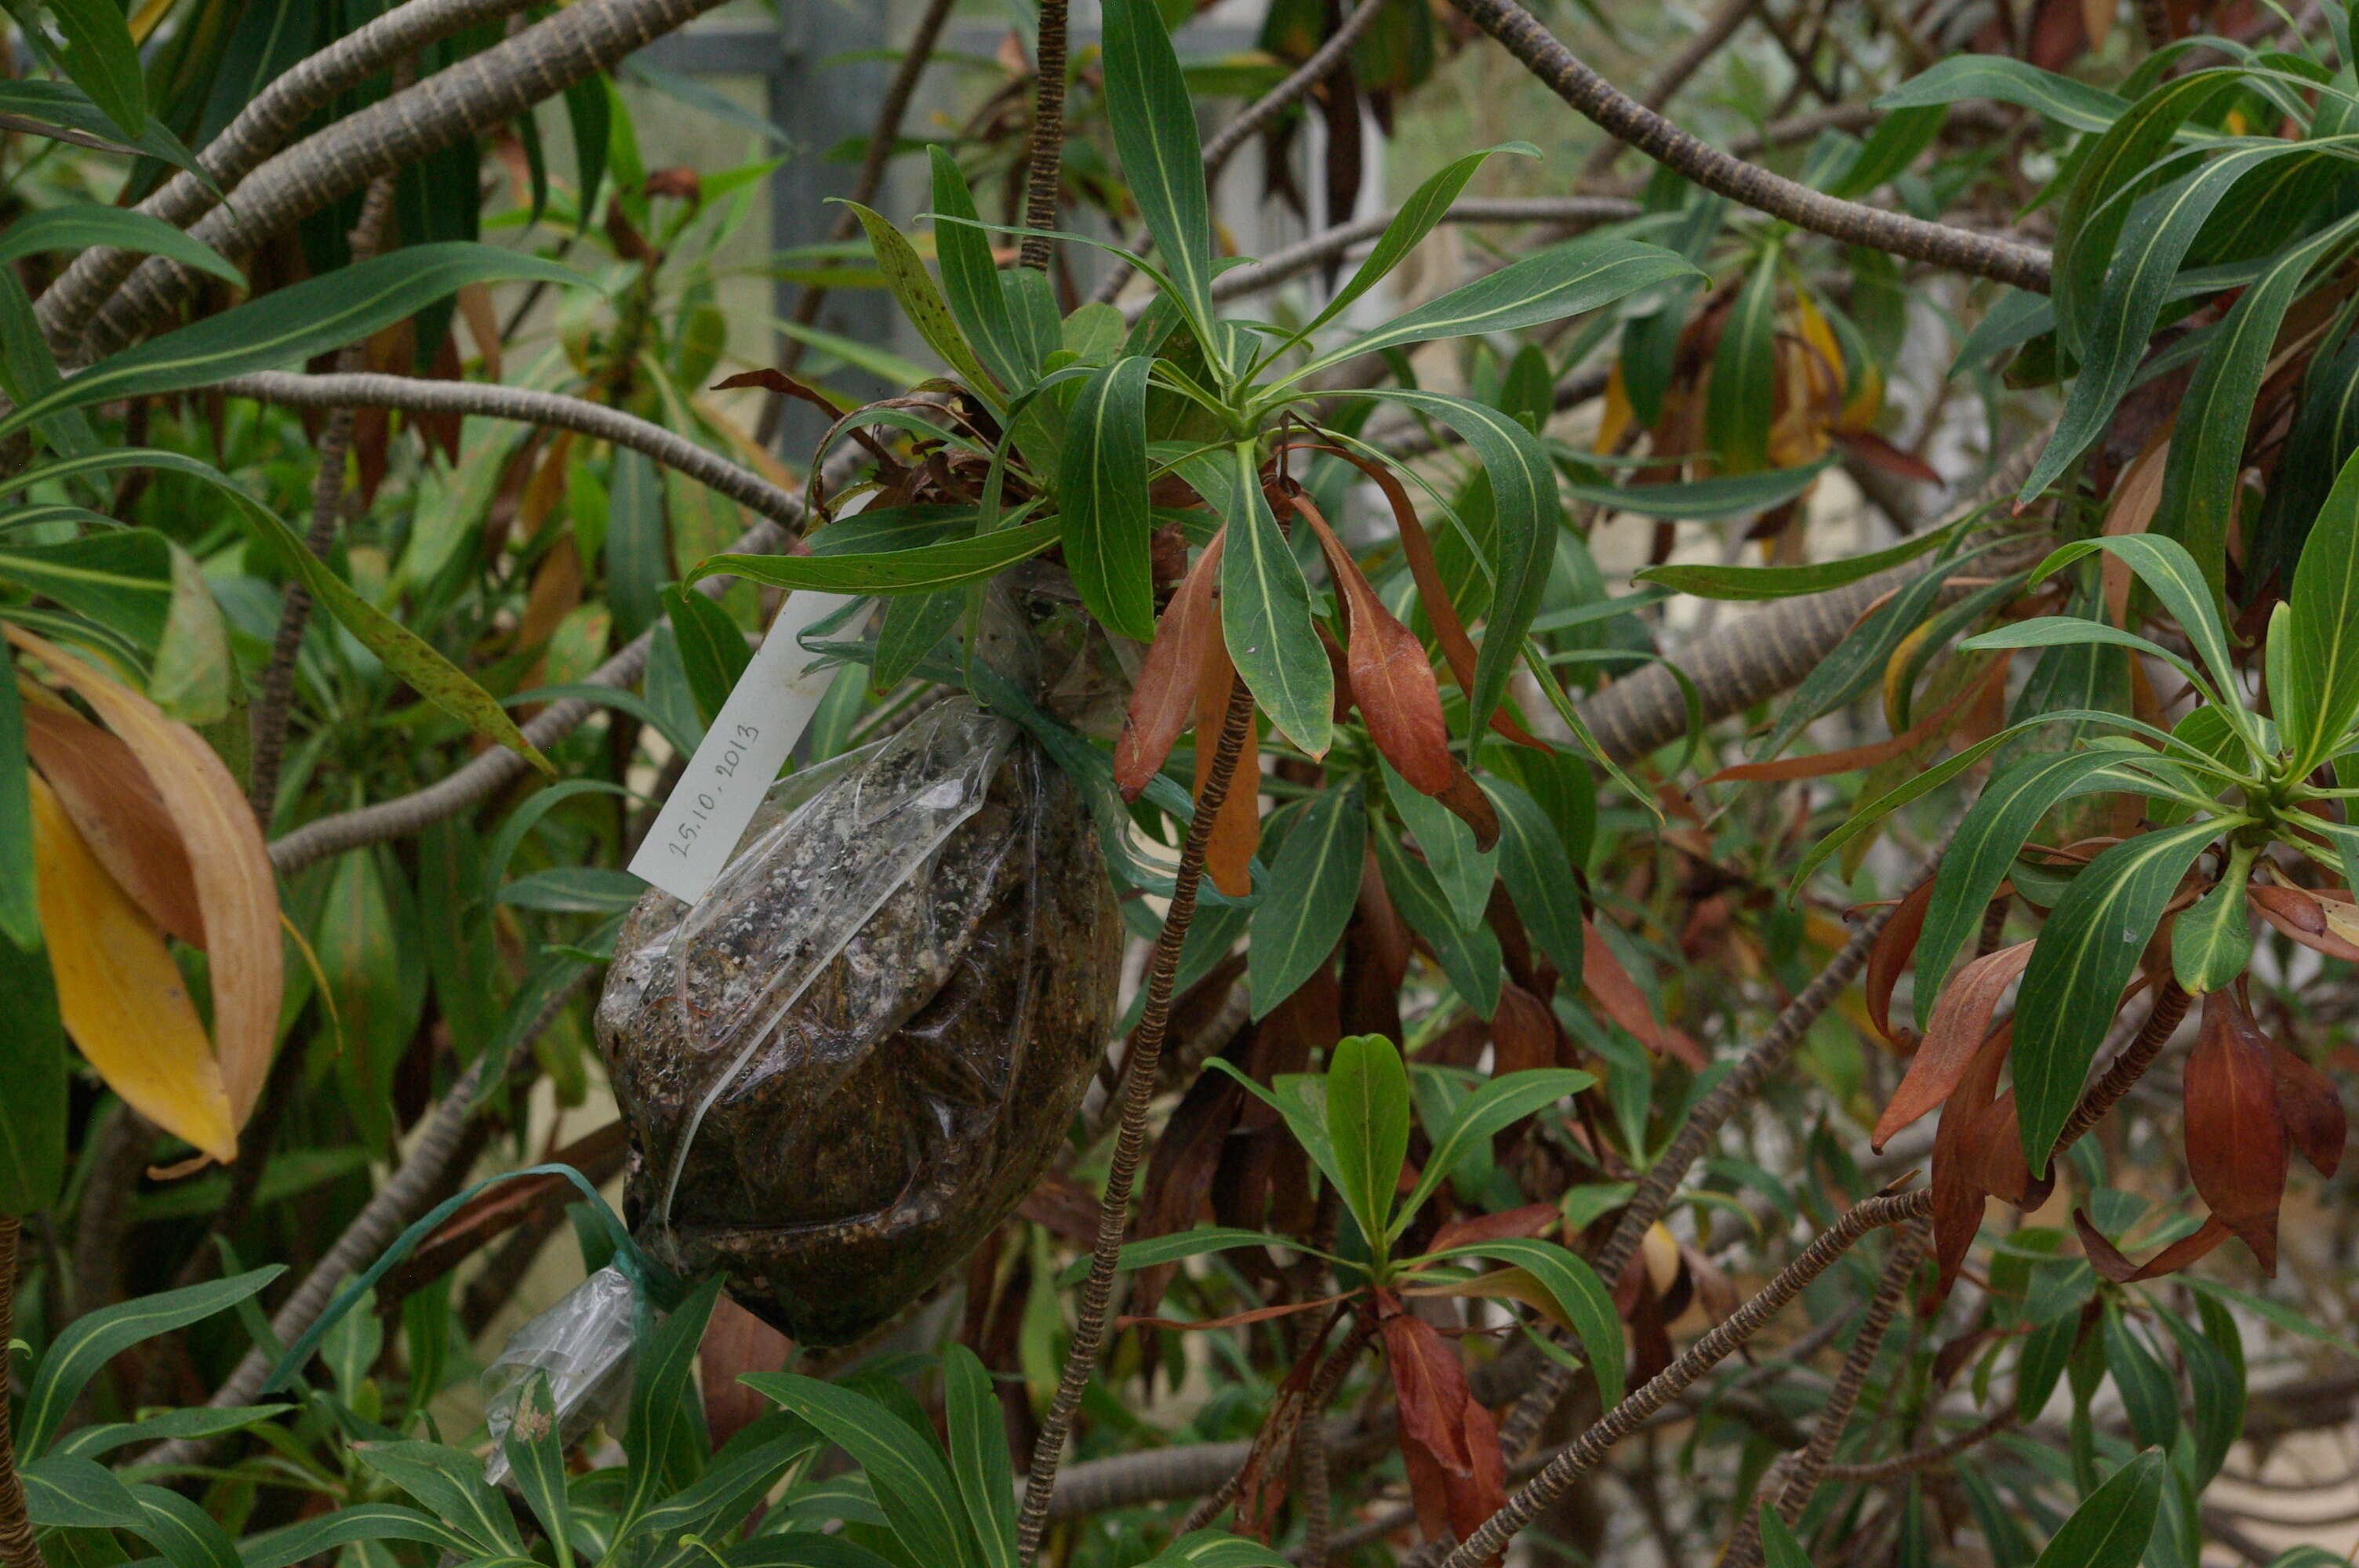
(18, 1547)
(2162, 1022)
(1045, 173)
(1592, 1447)
(1138, 1089)
(1625, 119)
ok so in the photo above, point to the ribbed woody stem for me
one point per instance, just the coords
(18, 1547)
(1130, 1142)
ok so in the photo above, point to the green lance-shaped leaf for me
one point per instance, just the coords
(1527, 513)
(93, 1340)
(1177, 1246)
(2075, 106)
(2113, 336)
(2177, 582)
(2212, 943)
(1463, 872)
(1785, 582)
(88, 224)
(1102, 492)
(2111, 1529)
(2321, 679)
(1744, 389)
(343, 1527)
(1470, 957)
(1367, 1118)
(921, 570)
(2087, 953)
(1264, 603)
(1721, 497)
(20, 916)
(970, 278)
(978, 1434)
(2207, 448)
(1415, 219)
(911, 1483)
(291, 325)
(1584, 1298)
(98, 56)
(921, 302)
(67, 107)
(1557, 283)
(1988, 838)
(1779, 1549)
(1307, 899)
(711, 648)
(665, 1439)
(1154, 136)
(33, 1066)
(1499, 1102)
(449, 1484)
(536, 1452)
(1538, 871)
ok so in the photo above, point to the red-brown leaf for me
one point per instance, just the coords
(1854, 757)
(2298, 914)
(2235, 1137)
(1876, 452)
(1432, 596)
(1532, 1219)
(1618, 997)
(112, 803)
(1392, 679)
(1895, 945)
(1166, 693)
(1960, 1025)
(2314, 1119)
(1958, 1155)
(736, 1342)
(1522, 1031)
(2110, 1264)
(1448, 1440)
(1236, 827)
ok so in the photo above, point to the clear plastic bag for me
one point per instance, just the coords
(583, 1343)
(849, 1061)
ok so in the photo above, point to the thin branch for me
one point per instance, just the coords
(882, 139)
(1587, 1451)
(1871, 1471)
(270, 715)
(18, 1547)
(1138, 1089)
(1810, 1466)
(1322, 63)
(261, 128)
(478, 94)
(2162, 1020)
(1717, 29)
(1044, 177)
(1703, 1123)
(552, 409)
(1623, 118)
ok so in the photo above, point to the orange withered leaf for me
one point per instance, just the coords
(115, 804)
(2111, 1264)
(1895, 945)
(1959, 1024)
(1457, 1477)
(1618, 997)
(1166, 693)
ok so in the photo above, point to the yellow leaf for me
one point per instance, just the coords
(237, 889)
(1503, 1284)
(119, 992)
(1615, 422)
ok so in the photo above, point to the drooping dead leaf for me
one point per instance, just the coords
(2235, 1136)
(1532, 1219)
(1959, 1024)
(1166, 693)
(115, 806)
(1236, 827)
(1618, 997)
(228, 863)
(1895, 946)
(120, 993)
(2110, 1265)
(2315, 1122)
(2302, 914)
(1958, 1189)
(736, 1342)
(1449, 1442)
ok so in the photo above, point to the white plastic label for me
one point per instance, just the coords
(766, 713)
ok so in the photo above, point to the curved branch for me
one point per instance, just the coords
(1044, 176)
(261, 128)
(1261, 112)
(479, 92)
(1625, 119)
(1585, 1453)
(412, 395)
